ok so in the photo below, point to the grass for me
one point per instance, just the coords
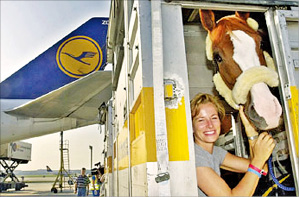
(35, 175)
(41, 178)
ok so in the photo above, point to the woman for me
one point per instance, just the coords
(207, 113)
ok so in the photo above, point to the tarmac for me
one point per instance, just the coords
(40, 189)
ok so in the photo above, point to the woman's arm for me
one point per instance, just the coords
(238, 164)
(213, 185)
(235, 164)
(252, 135)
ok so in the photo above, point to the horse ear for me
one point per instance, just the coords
(207, 19)
(242, 15)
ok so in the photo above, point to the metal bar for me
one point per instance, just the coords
(248, 2)
(222, 6)
(127, 86)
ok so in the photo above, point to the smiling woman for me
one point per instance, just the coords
(207, 113)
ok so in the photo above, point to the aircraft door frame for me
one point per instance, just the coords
(287, 68)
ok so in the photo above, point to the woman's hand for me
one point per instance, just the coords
(263, 148)
(249, 129)
(260, 148)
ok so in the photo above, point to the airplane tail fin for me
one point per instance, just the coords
(48, 169)
(80, 53)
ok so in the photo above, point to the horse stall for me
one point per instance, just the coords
(201, 72)
(162, 57)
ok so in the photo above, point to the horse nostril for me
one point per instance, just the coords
(258, 121)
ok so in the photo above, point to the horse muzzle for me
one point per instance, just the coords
(263, 109)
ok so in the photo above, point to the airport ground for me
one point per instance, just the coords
(40, 186)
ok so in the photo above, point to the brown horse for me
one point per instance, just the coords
(233, 43)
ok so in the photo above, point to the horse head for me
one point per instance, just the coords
(243, 69)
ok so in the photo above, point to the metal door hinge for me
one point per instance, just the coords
(287, 91)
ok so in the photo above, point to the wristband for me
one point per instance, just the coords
(255, 172)
(262, 172)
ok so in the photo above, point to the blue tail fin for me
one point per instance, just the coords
(48, 169)
(80, 53)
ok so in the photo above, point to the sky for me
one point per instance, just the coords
(28, 28)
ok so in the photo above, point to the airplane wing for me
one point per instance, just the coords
(79, 99)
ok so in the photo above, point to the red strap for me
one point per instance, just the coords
(262, 172)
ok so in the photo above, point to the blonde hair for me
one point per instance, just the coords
(202, 98)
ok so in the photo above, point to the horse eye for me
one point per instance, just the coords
(217, 58)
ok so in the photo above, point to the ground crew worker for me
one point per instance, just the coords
(82, 184)
(96, 183)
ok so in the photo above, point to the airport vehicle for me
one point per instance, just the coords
(11, 156)
(59, 90)
(157, 51)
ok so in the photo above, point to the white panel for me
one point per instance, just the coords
(145, 42)
(152, 171)
(115, 184)
(137, 82)
(109, 185)
(180, 184)
(135, 47)
(120, 98)
(123, 183)
(133, 25)
(139, 180)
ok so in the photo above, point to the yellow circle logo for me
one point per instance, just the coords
(79, 56)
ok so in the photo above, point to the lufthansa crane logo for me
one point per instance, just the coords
(79, 56)
(14, 146)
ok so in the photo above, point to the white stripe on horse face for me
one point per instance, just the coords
(244, 50)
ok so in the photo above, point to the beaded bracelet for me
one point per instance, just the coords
(255, 172)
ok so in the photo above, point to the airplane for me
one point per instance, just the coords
(59, 90)
(49, 169)
(72, 177)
